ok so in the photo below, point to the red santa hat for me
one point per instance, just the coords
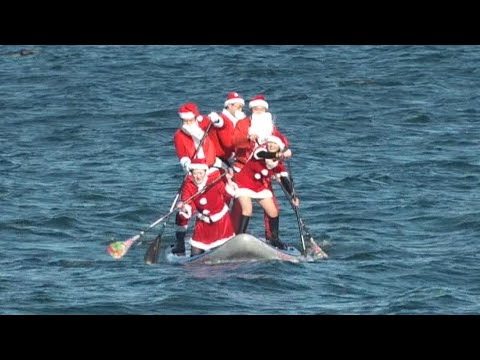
(189, 111)
(234, 98)
(276, 140)
(198, 164)
(258, 100)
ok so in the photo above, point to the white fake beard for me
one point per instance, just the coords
(261, 125)
(194, 130)
(240, 115)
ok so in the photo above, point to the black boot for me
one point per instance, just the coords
(242, 226)
(179, 248)
(275, 241)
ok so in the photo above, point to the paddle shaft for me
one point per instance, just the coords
(304, 228)
(173, 210)
(295, 210)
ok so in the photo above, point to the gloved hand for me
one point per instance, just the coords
(186, 164)
(287, 154)
(217, 121)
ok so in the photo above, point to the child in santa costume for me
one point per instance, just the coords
(213, 226)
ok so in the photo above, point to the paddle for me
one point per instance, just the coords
(151, 256)
(119, 248)
(302, 228)
(153, 250)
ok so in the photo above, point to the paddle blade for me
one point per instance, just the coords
(119, 248)
(151, 256)
(316, 251)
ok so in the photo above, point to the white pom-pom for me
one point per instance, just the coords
(203, 201)
(264, 172)
(257, 176)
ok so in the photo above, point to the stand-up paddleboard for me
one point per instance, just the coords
(240, 248)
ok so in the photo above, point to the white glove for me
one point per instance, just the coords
(287, 154)
(217, 120)
(186, 163)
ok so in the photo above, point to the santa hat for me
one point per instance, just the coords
(258, 100)
(198, 164)
(189, 111)
(276, 140)
(234, 98)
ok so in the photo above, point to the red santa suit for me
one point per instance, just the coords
(222, 135)
(263, 126)
(255, 179)
(242, 146)
(213, 226)
(188, 137)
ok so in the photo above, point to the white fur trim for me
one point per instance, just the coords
(199, 118)
(258, 103)
(230, 117)
(193, 166)
(230, 189)
(186, 115)
(276, 140)
(203, 246)
(215, 217)
(252, 194)
(234, 101)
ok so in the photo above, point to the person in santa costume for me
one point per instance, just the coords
(187, 140)
(254, 181)
(224, 123)
(248, 134)
(213, 226)
(188, 137)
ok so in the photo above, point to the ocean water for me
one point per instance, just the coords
(386, 164)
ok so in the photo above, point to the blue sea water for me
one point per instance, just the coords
(386, 163)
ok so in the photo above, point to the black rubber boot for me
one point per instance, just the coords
(275, 241)
(243, 225)
(179, 248)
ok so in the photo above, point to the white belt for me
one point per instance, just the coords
(215, 217)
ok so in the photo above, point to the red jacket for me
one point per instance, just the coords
(255, 178)
(213, 225)
(185, 148)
